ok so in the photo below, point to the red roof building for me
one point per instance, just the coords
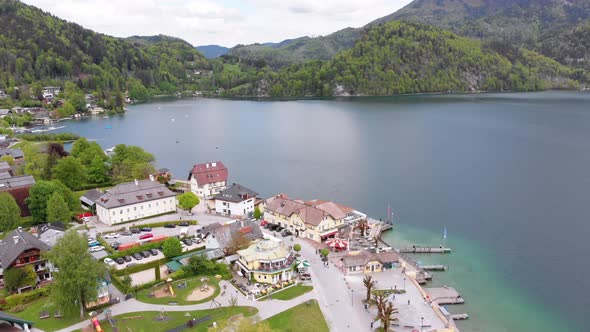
(208, 179)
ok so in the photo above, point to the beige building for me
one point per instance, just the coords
(317, 220)
(266, 261)
(367, 262)
(208, 179)
(134, 200)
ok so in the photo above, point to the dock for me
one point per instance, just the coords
(434, 267)
(459, 316)
(444, 295)
(426, 250)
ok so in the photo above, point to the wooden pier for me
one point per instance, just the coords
(426, 250)
(459, 316)
(434, 267)
(444, 295)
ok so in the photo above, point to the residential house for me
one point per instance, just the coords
(16, 154)
(50, 92)
(20, 248)
(18, 187)
(89, 199)
(231, 236)
(135, 200)
(2, 94)
(41, 117)
(208, 179)
(316, 220)
(266, 261)
(49, 233)
(235, 200)
(367, 262)
(5, 168)
(4, 112)
(103, 295)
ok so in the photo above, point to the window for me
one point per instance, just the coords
(135, 208)
(121, 211)
(127, 210)
(113, 213)
(149, 205)
(156, 203)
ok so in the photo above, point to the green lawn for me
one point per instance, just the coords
(145, 321)
(180, 294)
(291, 293)
(304, 317)
(33, 309)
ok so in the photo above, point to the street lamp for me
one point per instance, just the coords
(421, 324)
(404, 284)
(352, 297)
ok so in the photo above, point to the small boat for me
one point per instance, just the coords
(106, 117)
(172, 120)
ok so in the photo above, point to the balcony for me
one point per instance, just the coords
(265, 267)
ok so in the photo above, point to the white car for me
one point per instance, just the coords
(96, 249)
(111, 236)
(109, 262)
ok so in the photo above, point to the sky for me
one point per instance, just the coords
(222, 22)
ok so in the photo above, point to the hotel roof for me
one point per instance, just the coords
(133, 193)
(15, 243)
(209, 173)
(235, 193)
(264, 250)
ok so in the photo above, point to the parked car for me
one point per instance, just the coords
(197, 240)
(111, 236)
(131, 264)
(184, 224)
(267, 226)
(188, 242)
(137, 256)
(146, 229)
(134, 230)
(125, 233)
(127, 258)
(146, 236)
(93, 243)
(96, 248)
(109, 262)
(170, 226)
(146, 254)
(115, 246)
(154, 252)
(120, 260)
(286, 232)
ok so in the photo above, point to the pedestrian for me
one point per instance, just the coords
(408, 301)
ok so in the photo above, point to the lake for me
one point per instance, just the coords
(508, 175)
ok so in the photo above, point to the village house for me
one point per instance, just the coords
(89, 199)
(266, 261)
(20, 248)
(18, 187)
(4, 112)
(367, 262)
(236, 200)
(2, 94)
(208, 179)
(317, 220)
(135, 200)
(16, 154)
(178, 262)
(50, 92)
(231, 236)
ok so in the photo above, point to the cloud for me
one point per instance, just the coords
(223, 22)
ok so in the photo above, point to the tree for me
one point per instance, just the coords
(57, 209)
(238, 242)
(9, 212)
(8, 159)
(172, 247)
(97, 171)
(325, 252)
(297, 247)
(71, 172)
(257, 213)
(363, 225)
(188, 200)
(78, 274)
(386, 316)
(67, 109)
(86, 151)
(40, 193)
(369, 284)
(15, 278)
(380, 301)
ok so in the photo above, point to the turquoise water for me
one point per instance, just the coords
(507, 174)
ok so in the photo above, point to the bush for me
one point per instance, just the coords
(180, 274)
(140, 248)
(105, 244)
(141, 267)
(17, 308)
(49, 137)
(24, 298)
(157, 272)
(172, 247)
(163, 223)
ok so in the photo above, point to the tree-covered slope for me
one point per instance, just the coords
(403, 57)
(38, 47)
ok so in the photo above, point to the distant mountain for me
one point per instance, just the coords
(212, 51)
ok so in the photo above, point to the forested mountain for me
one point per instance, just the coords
(404, 57)
(212, 51)
(36, 47)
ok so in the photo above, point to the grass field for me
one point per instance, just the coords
(291, 293)
(31, 313)
(304, 317)
(180, 294)
(146, 321)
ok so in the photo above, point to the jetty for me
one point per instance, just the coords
(444, 295)
(434, 267)
(426, 250)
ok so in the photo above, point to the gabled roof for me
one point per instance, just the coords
(209, 173)
(224, 233)
(364, 257)
(14, 153)
(17, 242)
(4, 167)
(133, 193)
(91, 196)
(235, 193)
(16, 182)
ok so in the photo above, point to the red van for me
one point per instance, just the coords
(146, 236)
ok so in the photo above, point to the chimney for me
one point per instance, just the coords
(213, 164)
(136, 182)
(16, 238)
(151, 177)
(207, 164)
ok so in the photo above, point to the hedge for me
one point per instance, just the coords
(164, 223)
(105, 244)
(133, 250)
(23, 298)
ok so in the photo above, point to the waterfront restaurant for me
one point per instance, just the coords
(367, 262)
(266, 261)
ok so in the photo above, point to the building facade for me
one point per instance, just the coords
(135, 200)
(236, 200)
(208, 179)
(368, 262)
(266, 261)
(18, 187)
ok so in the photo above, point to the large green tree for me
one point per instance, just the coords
(40, 193)
(172, 247)
(78, 275)
(98, 171)
(57, 209)
(9, 212)
(188, 200)
(70, 172)
(86, 151)
(15, 278)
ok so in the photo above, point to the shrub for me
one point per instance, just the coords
(157, 272)
(172, 247)
(180, 274)
(27, 297)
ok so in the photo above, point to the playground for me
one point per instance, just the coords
(182, 292)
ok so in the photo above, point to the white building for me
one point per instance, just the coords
(51, 91)
(236, 200)
(208, 179)
(135, 200)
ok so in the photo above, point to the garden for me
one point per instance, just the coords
(306, 316)
(187, 291)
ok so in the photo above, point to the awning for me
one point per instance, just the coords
(174, 266)
(87, 201)
(329, 234)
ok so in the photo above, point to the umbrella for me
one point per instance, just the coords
(302, 264)
(337, 243)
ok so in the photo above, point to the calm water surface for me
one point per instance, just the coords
(507, 174)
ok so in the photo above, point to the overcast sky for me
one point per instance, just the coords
(222, 22)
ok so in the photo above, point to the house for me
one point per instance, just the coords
(178, 262)
(231, 236)
(103, 295)
(266, 261)
(50, 92)
(20, 248)
(4, 112)
(18, 187)
(135, 200)
(2, 94)
(317, 220)
(95, 110)
(16, 154)
(49, 233)
(41, 118)
(235, 200)
(208, 179)
(5, 168)
(367, 262)
(88, 200)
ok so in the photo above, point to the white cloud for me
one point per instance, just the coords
(223, 22)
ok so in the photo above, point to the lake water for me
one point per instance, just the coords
(507, 174)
